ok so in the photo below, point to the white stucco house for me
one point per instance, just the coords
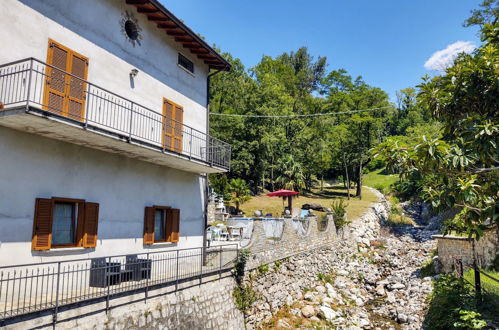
(104, 145)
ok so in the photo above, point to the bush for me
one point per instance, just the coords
(452, 305)
(245, 297)
(339, 210)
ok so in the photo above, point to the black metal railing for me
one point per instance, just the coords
(30, 288)
(37, 85)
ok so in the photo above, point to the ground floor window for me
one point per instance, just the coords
(161, 224)
(64, 222)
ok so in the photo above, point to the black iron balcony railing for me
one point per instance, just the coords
(49, 286)
(48, 89)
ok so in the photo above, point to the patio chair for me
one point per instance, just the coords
(103, 273)
(303, 213)
(141, 268)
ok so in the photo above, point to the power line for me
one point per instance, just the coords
(293, 116)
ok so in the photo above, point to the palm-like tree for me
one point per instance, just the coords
(291, 176)
(240, 192)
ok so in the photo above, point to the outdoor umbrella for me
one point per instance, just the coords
(284, 193)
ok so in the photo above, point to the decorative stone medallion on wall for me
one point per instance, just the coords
(131, 29)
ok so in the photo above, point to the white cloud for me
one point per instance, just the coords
(444, 58)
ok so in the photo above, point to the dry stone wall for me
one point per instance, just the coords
(451, 248)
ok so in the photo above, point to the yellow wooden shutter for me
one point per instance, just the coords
(178, 129)
(55, 90)
(42, 224)
(64, 94)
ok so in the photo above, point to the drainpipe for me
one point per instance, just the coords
(206, 181)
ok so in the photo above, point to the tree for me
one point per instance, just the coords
(462, 168)
(291, 176)
(240, 192)
(487, 14)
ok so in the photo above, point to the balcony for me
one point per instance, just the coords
(40, 98)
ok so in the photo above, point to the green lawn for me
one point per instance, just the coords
(379, 180)
(274, 205)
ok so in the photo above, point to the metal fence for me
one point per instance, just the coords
(29, 83)
(29, 288)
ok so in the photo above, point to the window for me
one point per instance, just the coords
(64, 222)
(185, 63)
(131, 29)
(161, 224)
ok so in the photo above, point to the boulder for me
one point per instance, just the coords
(308, 311)
(315, 207)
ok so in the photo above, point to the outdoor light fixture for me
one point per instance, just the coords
(134, 73)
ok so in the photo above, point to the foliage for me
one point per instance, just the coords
(262, 269)
(221, 186)
(245, 297)
(339, 209)
(240, 192)
(470, 320)
(461, 168)
(240, 266)
(450, 297)
(293, 153)
(488, 13)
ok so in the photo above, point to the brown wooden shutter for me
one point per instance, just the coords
(149, 225)
(42, 225)
(178, 129)
(173, 225)
(90, 225)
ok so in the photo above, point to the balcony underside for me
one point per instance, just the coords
(47, 124)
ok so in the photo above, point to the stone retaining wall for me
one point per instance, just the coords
(451, 248)
(265, 250)
(206, 306)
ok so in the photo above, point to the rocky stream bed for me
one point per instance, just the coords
(374, 283)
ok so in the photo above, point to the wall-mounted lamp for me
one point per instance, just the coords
(134, 73)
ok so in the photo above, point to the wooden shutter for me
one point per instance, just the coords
(65, 95)
(149, 225)
(55, 90)
(168, 114)
(90, 225)
(172, 225)
(76, 93)
(178, 129)
(42, 224)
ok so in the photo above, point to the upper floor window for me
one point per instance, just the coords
(185, 63)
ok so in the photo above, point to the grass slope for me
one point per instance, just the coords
(274, 205)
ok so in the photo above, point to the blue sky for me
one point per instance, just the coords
(385, 41)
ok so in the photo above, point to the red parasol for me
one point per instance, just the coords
(284, 193)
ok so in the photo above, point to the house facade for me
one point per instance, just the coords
(104, 144)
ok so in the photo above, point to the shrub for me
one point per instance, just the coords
(245, 297)
(339, 210)
(262, 269)
(452, 305)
